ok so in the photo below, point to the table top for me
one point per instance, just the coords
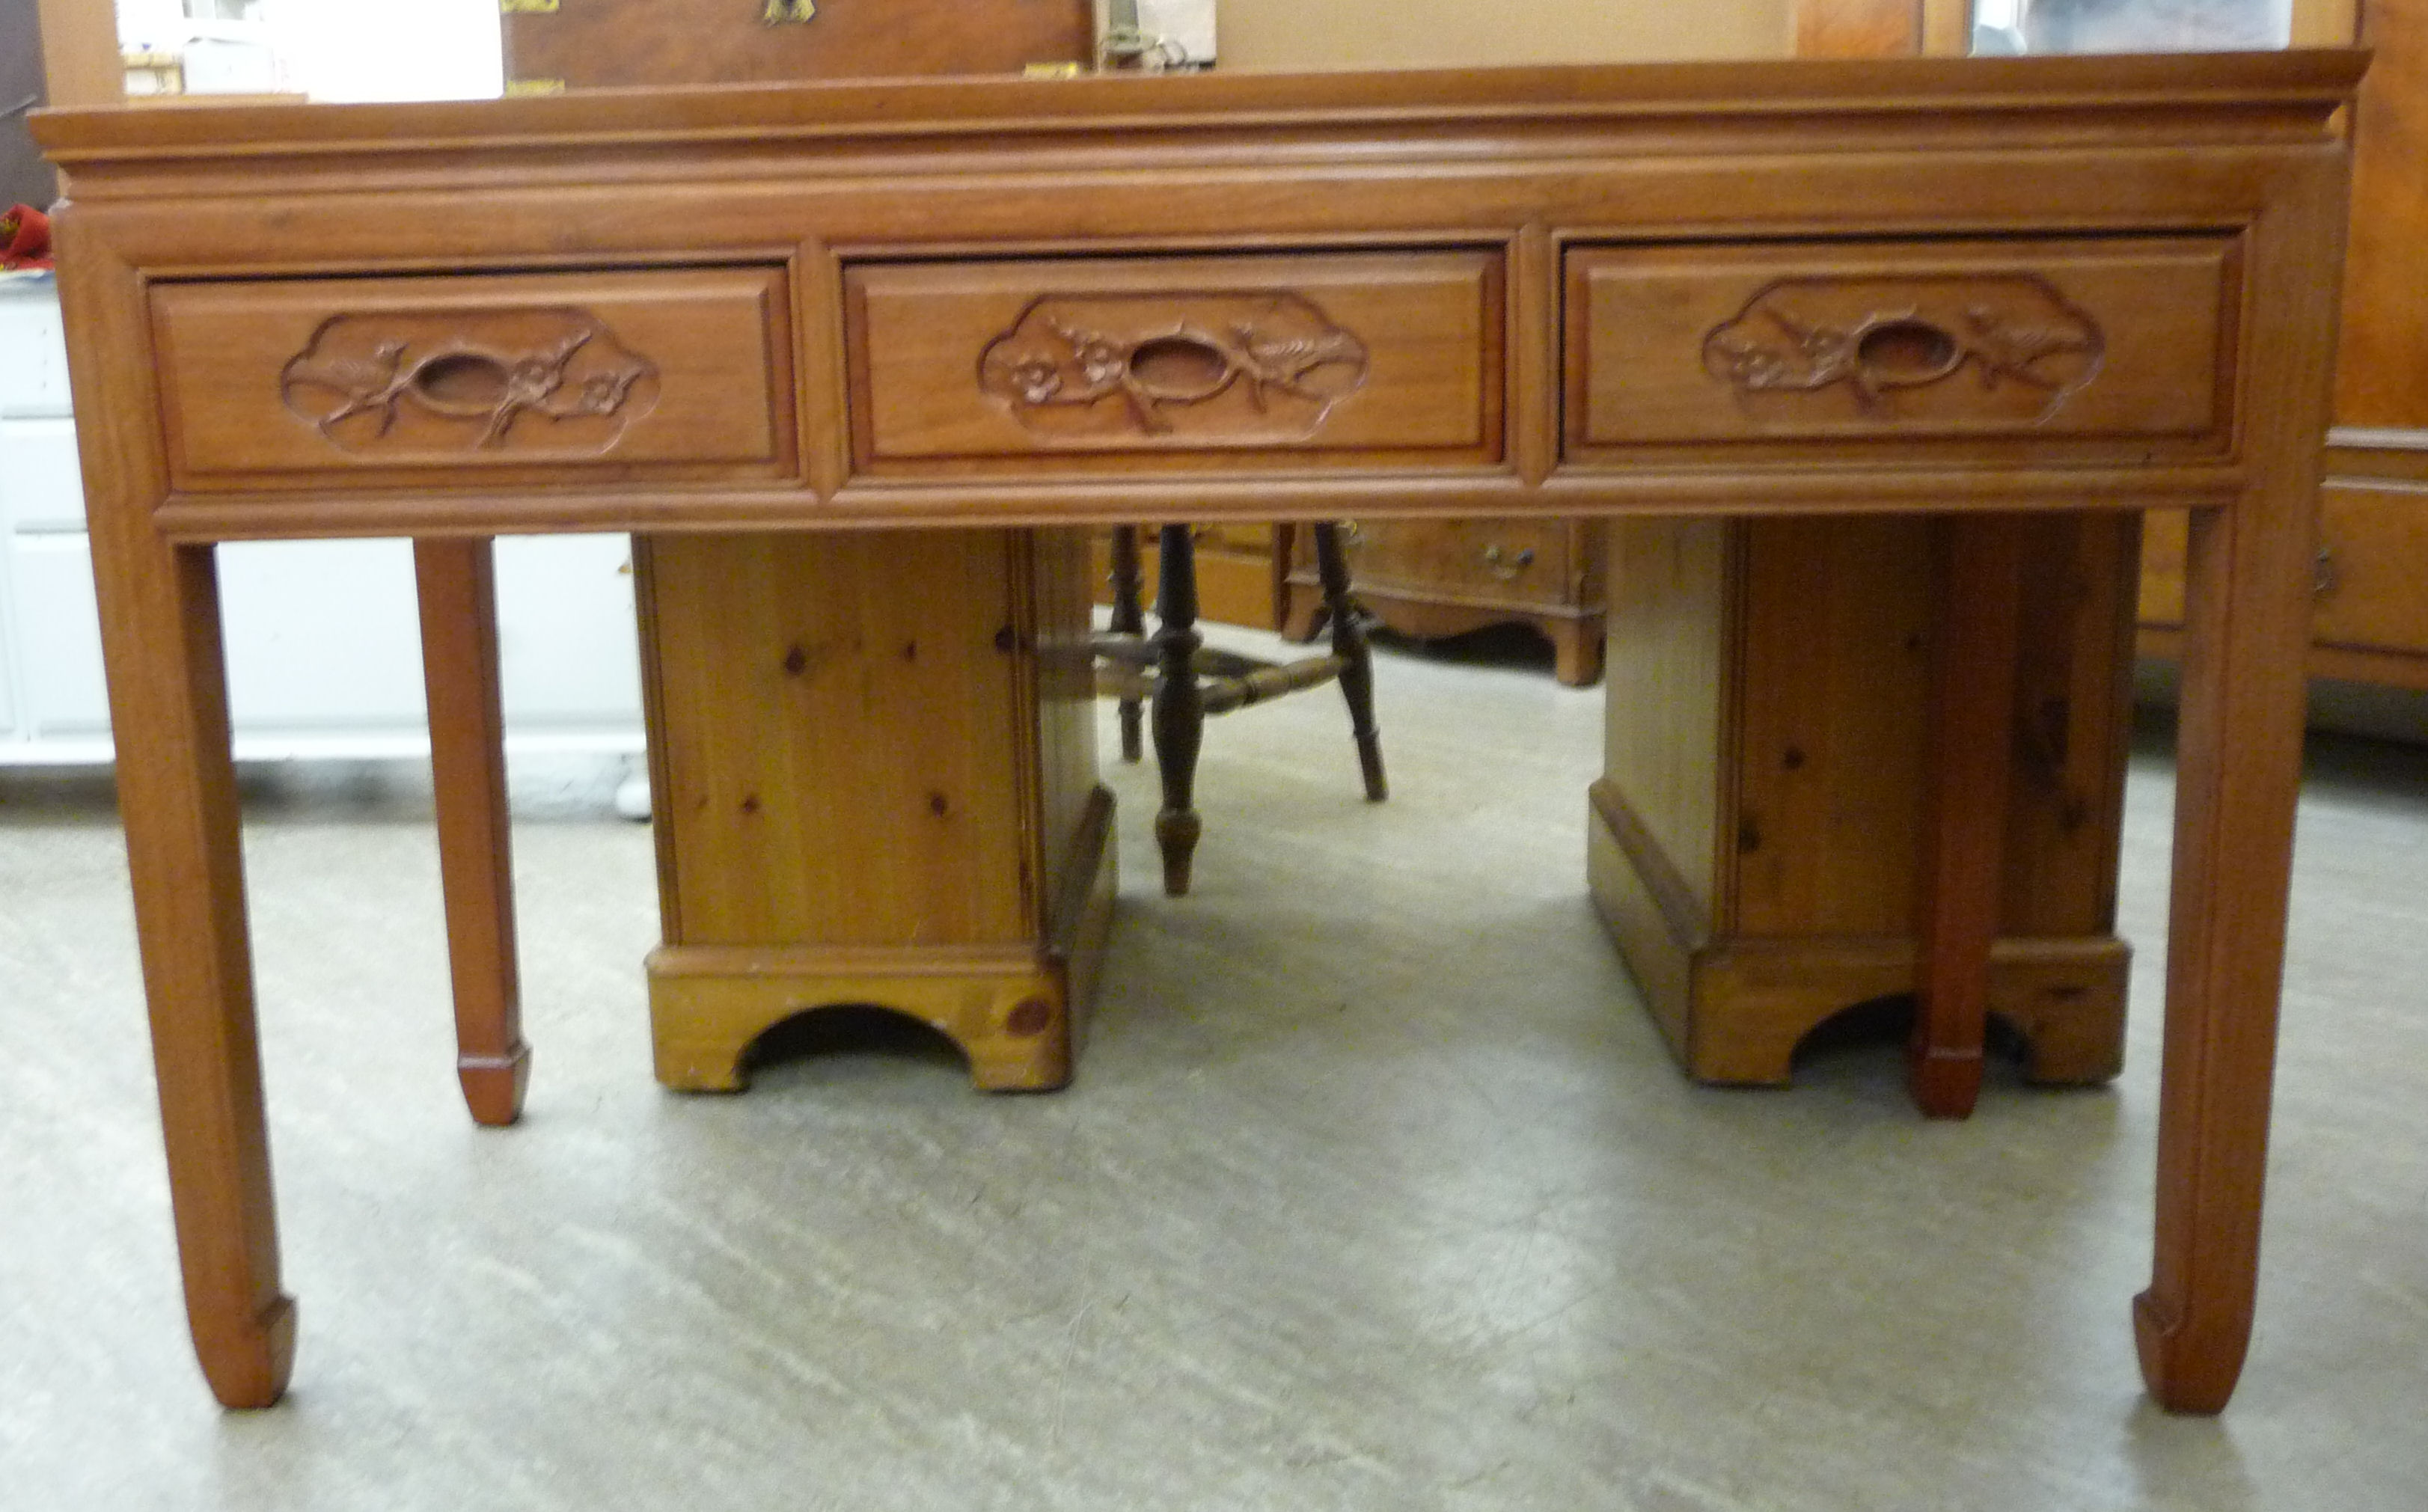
(2154, 91)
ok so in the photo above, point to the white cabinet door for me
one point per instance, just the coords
(10, 733)
(568, 654)
(41, 488)
(322, 637)
(58, 637)
(34, 377)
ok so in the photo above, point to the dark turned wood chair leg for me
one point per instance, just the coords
(1128, 619)
(1357, 658)
(1179, 704)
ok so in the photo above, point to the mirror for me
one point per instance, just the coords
(2131, 26)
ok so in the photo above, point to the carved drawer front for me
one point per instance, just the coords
(658, 374)
(1152, 361)
(1960, 340)
(1465, 561)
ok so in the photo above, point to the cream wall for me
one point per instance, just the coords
(1284, 34)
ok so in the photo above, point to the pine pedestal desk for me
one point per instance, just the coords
(1976, 289)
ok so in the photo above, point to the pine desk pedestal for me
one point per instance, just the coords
(874, 763)
(1978, 288)
(1755, 843)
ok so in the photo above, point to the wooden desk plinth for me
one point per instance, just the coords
(1971, 286)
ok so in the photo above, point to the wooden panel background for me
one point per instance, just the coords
(586, 44)
(2382, 371)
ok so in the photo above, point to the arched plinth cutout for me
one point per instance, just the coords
(866, 1029)
(1875, 1020)
(1008, 1013)
(2049, 1043)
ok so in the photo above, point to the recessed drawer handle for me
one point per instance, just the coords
(1804, 336)
(2325, 578)
(1224, 363)
(1507, 565)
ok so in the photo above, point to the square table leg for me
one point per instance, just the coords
(176, 793)
(2236, 776)
(457, 584)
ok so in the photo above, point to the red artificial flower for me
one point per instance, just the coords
(24, 237)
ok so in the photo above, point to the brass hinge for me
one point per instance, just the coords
(514, 87)
(527, 8)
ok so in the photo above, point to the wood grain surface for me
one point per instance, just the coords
(253, 372)
(1414, 365)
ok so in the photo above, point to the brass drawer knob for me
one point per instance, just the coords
(1506, 565)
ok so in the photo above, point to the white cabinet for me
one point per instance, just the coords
(567, 651)
(57, 638)
(34, 367)
(323, 643)
(41, 488)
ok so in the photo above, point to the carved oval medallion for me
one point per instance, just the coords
(1217, 365)
(2027, 346)
(551, 382)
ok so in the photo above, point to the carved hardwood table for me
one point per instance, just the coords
(1974, 288)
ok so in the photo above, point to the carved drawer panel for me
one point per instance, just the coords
(1964, 340)
(658, 374)
(1122, 362)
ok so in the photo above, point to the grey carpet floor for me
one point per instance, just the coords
(1376, 1189)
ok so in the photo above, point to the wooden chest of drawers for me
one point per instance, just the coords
(1436, 578)
(2370, 612)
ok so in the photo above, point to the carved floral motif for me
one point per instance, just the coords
(1876, 337)
(1247, 366)
(401, 381)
